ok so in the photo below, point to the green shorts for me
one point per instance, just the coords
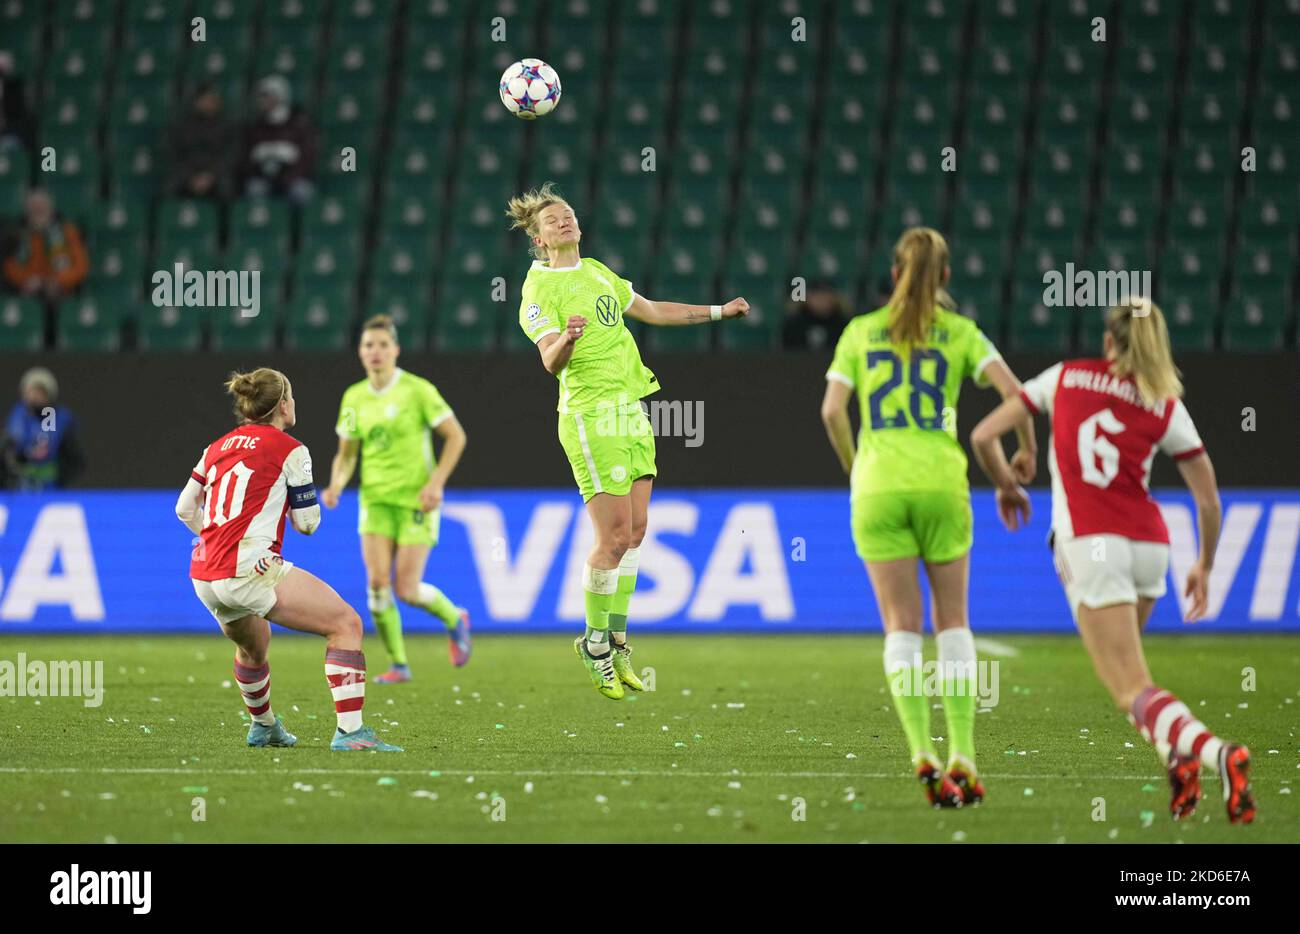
(403, 525)
(933, 526)
(608, 449)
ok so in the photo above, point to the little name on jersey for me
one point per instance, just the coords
(239, 441)
(1111, 385)
(938, 335)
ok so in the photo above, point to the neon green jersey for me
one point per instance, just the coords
(908, 401)
(606, 367)
(393, 426)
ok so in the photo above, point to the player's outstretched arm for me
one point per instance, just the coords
(1198, 474)
(1024, 464)
(675, 313)
(986, 443)
(835, 416)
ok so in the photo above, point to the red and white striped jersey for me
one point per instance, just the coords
(249, 477)
(1104, 438)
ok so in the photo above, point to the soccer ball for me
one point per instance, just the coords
(530, 89)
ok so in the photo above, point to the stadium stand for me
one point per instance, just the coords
(768, 163)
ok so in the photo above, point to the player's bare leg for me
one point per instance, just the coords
(377, 552)
(414, 590)
(1113, 639)
(949, 582)
(898, 595)
(252, 638)
(627, 572)
(611, 518)
(306, 603)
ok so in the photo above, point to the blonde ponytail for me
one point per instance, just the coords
(1142, 350)
(257, 394)
(920, 256)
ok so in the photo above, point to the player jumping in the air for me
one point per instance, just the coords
(574, 309)
(910, 498)
(1109, 416)
(386, 418)
(236, 500)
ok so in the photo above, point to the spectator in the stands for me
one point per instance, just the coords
(816, 322)
(49, 260)
(15, 120)
(280, 154)
(201, 149)
(39, 447)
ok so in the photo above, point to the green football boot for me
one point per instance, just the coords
(623, 667)
(601, 671)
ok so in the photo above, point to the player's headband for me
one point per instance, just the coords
(277, 401)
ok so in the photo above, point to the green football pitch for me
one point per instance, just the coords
(744, 739)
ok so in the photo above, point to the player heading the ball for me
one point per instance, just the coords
(574, 308)
(244, 485)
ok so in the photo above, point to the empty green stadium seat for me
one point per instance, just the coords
(1255, 317)
(319, 319)
(169, 328)
(467, 317)
(234, 329)
(22, 323)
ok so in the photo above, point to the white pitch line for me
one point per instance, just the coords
(542, 773)
(993, 647)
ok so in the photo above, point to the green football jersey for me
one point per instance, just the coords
(908, 401)
(393, 425)
(606, 366)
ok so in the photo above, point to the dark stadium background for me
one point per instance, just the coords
(773, 159)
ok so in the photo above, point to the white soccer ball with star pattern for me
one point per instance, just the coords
(530, 89)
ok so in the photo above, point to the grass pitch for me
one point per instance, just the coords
(742, 735)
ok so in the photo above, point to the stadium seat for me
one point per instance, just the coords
(169, 328)
(409, 304)
(467, 316)
(22, 323)
(234, 329)
(320, 319)
(1255, 318)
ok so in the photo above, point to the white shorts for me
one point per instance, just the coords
(251, 595)
(1104, 570)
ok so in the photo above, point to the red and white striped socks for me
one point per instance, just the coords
(346, 673)
(255, 687)
(1163, 719)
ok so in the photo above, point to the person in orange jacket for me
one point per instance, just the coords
(50, 260)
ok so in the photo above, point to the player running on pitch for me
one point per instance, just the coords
(1109, 416)
(236, 500)
(909, 495)
(386, 419)
(574, 309)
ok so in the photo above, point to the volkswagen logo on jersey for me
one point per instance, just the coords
(607, 310)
